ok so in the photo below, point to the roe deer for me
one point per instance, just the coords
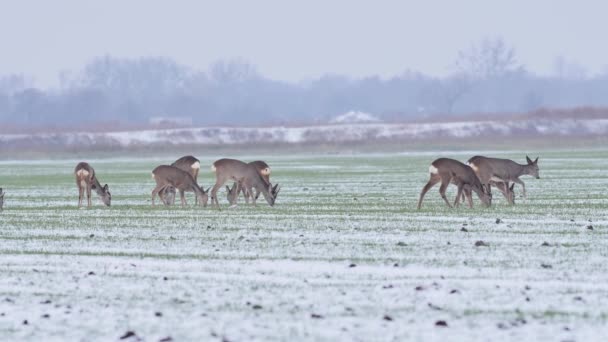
(166, 175)
(86, 180)
(448, 171)
(264, 171)
(1, 199)
(246, 176)
(503, 170)
(186, 163)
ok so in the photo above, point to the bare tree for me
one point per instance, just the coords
(490, 58)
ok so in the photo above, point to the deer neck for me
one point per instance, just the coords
(97, 186)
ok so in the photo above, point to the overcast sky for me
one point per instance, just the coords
(289, 41)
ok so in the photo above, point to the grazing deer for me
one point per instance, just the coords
(86, 180)
(1, 199)
(186, 163)
(166, 175)
(503, 170)
(448, 171)
(246, 176)
(264, 171)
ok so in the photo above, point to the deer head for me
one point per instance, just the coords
(104, 193)
(510, 193)
(485, 195)
(168, 196)
(532, 167)
(203, 197)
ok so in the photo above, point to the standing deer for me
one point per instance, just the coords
(1, 199)
(186, 163)
(503, 170)
(246, 176)
(166, 175)
(86, 180)
(448, 171)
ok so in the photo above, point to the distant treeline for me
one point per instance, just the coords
(132, 91)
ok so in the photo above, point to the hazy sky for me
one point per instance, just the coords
(294, 41)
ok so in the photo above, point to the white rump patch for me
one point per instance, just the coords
(265, 171)
(212, 167)
(474, 167)
(82, 173)
(196, 165)
(433, 170)
(153, 175)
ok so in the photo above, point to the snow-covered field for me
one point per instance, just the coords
(343, 255)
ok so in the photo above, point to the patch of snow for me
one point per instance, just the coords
(354, 117)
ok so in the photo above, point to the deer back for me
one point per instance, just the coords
(189, 164)
(171, 175)
(496, 169)
(263, 169)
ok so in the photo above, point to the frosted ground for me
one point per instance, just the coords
(343, 255)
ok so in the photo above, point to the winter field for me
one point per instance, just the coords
(344, 255)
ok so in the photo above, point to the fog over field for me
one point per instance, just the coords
(269, 63)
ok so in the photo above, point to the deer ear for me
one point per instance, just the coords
(105, 187)
(528, 160)
(536, 160)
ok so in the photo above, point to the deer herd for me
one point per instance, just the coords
(478, 176)
(182, 176)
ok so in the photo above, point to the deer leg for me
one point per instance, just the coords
(155, 192)
(89, 196)
(182, 197)
(80, 194)
(459, 194)
(434, 180)
(251, 196)
(469, 196)
(218, 184)
(518, 181)
(445, 181)
(239, 188)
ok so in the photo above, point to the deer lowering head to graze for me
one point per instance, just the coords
(245, 175)
(186, 163)
(503, 170)
(264, 171)
(1, 199)
(448, 171)
(86, 180)
(166, 175)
